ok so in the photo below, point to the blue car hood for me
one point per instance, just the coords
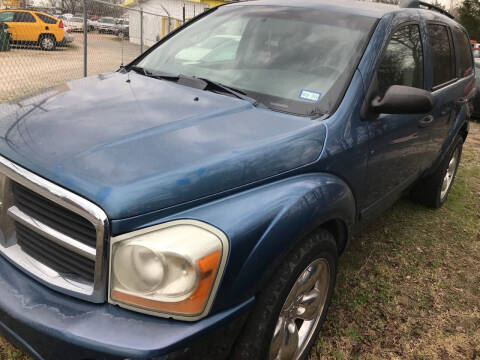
(133, 144)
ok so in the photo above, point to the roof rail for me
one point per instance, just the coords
(419, 4)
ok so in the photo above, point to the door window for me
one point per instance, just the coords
(443, 57)
(47, 19)
(23, 17)
(464, 53)
(6, 16)
(402, 60)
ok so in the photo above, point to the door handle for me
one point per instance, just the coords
(46, 28)
(426, 121)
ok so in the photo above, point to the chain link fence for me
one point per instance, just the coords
(46, 50)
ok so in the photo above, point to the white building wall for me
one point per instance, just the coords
(152, 24)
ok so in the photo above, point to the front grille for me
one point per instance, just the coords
(54, 235)
(54, 215)
(54, 256)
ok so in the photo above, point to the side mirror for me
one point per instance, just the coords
(403, 100)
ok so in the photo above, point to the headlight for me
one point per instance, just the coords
(170, 270)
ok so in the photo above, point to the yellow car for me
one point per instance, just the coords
(33, 27)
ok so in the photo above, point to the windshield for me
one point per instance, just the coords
(294, 60)
(107, 21)
(74, 19)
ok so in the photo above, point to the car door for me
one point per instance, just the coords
(396, 142)
(26, 26)
(452, 80)
(48, 25)
(7, 18)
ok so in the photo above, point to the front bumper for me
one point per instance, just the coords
(50, 325)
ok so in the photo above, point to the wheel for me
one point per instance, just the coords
(433, 191)
(289, 312)
(47, 42)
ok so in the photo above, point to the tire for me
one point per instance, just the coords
(47, 42)
(257, 341)
(433, 191)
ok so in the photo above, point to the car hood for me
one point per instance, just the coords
(133, 144)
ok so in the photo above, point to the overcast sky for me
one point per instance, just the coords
(448, 3)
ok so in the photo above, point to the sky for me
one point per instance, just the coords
(448, 3)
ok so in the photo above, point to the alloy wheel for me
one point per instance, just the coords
(449, 175)
(301, 312)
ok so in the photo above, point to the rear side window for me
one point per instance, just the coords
(6, 16)
(464, 53)
(442, 54)
(46, 19)
(402, 60)
(24, 17)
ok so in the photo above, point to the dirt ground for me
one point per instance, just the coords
(27, 70)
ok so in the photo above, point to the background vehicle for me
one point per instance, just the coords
(105, 25)
(33, 27)
(68, 39)
(201, 210)
(66, 16)
(476, 52)
(122, 28)
(74, 23)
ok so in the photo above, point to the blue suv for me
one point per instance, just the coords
(194, 204)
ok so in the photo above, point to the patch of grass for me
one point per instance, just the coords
(409, 286)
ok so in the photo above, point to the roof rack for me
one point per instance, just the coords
(418, 4)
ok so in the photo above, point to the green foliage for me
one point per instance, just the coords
(469, 17)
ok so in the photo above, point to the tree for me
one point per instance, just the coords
(71, 6)
(469, 17)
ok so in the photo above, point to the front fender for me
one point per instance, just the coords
(264, 223)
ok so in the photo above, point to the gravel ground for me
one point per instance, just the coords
(25, 71)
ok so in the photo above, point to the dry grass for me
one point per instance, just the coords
(409, 286)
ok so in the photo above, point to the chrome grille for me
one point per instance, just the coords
(53, 215)
(52, 234)
(54, 256)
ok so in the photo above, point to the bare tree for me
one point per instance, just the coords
(71, 6)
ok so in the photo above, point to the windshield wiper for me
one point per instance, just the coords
(197, 82)
(228, 89)
(156, 75)
(137, 69)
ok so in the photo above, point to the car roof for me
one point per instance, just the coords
(354, 7)
(365, 8)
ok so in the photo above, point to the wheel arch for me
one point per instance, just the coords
(264, 224)
(42, 35)
(464, 130)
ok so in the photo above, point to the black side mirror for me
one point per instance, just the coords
(403, 100)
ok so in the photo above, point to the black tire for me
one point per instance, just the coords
(428, 191)
(256, 337)
(47, 42)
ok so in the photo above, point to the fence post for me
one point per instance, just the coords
(184, 13)
(141, 30)
(85, 30)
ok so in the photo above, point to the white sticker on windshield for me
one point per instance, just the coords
(310, 95)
